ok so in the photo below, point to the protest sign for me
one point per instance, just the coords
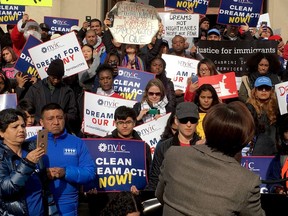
(32, 131)
(133, 23)
(198, 6)
(232, 55)
(151, 131)
(66, 48)
(281, 90)
(8, 101)
(119, 163)
(130, 84)
(237, 13)
(264, 18)
(224, 84)
(47, 3)
(259, 165)
(10, 14)
(99, 113)
(60, 24)
(24, 62)
(179, 69)
(186, 25)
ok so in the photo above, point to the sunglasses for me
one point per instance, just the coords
(158, 94)
(188, 119)
(264, 87)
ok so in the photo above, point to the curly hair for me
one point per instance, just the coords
(270, 106)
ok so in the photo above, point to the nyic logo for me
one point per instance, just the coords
(114, 148)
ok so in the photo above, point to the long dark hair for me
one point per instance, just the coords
(206, 87)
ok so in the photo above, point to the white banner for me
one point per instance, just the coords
(179, 69)
(282, 97)
(8, 101)
(151, 131)
(66, 48)
(99, 113)
(32, 131)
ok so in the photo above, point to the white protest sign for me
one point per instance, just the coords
(32, 131)
(151, 131)
(66, 48)
(179, 69)
(99, 113)
(282, 97)
(134, 23)
(264, 18)
(186, 25)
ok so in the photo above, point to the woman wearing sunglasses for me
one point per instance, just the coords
(154, 102)
(264, 108)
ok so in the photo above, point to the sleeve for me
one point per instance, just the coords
(107, 40)
(86, 169)
(274, 173)
(161, 183)
(243, 93)
(81, 34)
(91, 72)
(171, 94)
(17, 37)
(189, 96)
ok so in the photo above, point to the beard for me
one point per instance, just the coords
(32, 32)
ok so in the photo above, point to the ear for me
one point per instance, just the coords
(176, 121)
(41, 122)
(1, 134)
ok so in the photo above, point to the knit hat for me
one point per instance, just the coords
(30, 23)
(56, 68)
(203, 20)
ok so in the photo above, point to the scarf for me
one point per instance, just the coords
(161, 106)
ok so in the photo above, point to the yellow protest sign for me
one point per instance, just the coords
(46, 3)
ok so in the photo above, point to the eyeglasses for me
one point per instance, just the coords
(158, 94)
(121, 123)
(204, 70)
(264, 87)
(188, 119)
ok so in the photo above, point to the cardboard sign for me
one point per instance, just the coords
(186, 25)
(119, 163)
(134, 23)
(238, 13)
(11, 14)
(66, 48)
(197, 6)
(130, 84)
(179, 69)
(24, 62)
(47, 3)
(8, 101)
(99, 113)
(60, 24)
(224, 84)
(281, 90)
(151, 131)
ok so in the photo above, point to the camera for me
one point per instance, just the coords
(154, 111)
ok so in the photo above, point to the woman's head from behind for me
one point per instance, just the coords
(206, 97)
(228, 127)
(206, 67)
(154, 91)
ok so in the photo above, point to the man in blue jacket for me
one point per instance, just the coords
(68, 161)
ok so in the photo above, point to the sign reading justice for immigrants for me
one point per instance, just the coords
(134, 23)
(66, 48)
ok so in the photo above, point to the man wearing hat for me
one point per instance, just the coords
(53, 90)
(45, 32)
(214, 34)
(186, 119)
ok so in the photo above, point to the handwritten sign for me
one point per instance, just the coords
(60, 24)
(99, 115)
(66, 48)
(120, 163)
(179, 69)
(24, 62)
(134, 23)
(197, 6)
(47, 3)
(10, 14)
(130, 84)
(8, 101)
(281, 90)
(237, 13)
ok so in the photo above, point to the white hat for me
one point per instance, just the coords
(75, 28)
(55, 36)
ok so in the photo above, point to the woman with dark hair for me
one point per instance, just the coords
(211, 171)
(20, 180)
(113, 59)
(170, 128)
(131, 59)
(205, 67)
(260, 64)
(5, 86)
(29, 109)
(157, 67)
(205, 98)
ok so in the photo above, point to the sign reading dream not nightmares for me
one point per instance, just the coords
(60, 24)
(233, 12)
(99, 113)
(66, 48)
(24, 62)
(119, 163)
(232, 55)
(10, 14)
(198, 6)
(130, 84)
(281, 90)
(134, 23)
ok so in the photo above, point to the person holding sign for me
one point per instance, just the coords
(130, 59)
(154, 102)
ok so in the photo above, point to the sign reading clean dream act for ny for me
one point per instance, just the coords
(66, 48)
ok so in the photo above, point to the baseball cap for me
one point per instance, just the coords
(260, 81)
(187, 110)
(44, 26)
(214, 31)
